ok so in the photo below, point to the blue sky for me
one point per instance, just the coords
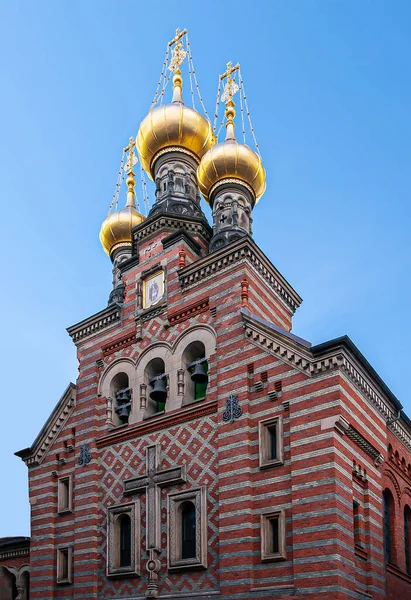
(329, 88)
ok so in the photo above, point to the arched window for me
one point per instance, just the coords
(407, 538)
(188, 530)
(388, 519)
(124, 538)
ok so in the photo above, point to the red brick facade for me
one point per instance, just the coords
(337, 448)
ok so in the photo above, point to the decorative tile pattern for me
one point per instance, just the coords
(191, 444)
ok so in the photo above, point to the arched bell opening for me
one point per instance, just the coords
(120, 392)
(157, 382)
(196, 368)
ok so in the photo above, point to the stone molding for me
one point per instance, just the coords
(395, 484)
(95, 323)
(303, 359)
(14, 553)
(365, 445)
(188, 311)
(242, 251)
(338, 355)
(187, 413)
(34, 455)
(119, 343)
(160, 221)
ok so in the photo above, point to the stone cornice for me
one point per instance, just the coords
(160, 221)
(242, 251)
(190, 310)
(95, 323)
(8, 554)
(339, 354)
(35, 454)
(187, 413)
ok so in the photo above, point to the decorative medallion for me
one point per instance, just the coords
(232, 410)
(85, 456)
(153, 289)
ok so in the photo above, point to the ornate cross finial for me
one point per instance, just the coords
(230, 88)
(178, 54)
(132, 158)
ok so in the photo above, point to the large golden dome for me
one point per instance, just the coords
(116, 230)
(173, 125)
(231, 160)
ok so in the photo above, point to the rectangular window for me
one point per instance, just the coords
(271, 442)
(356, 523)
(64, 494)
(123, 540)
(64, 564)
(273, 536)
(187, 529)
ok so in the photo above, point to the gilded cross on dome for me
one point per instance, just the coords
(230, 88)
(132, 158)
(178, 53)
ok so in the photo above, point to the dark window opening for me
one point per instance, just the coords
(64, 564)
(274, 530)
(188, 530)
(125, 541)
(388, 517)
(272, 432)
(356, 522)
(407, 538)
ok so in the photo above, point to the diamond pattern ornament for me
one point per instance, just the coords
(191, 444)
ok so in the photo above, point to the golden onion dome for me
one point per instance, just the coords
(116, 230)
(231, 161)
(173, 126)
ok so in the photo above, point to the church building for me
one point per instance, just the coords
(206, 451)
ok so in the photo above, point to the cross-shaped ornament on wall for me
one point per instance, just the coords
(151, 483)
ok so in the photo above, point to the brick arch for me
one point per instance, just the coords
(197, 333)
(395, 484)
(122, 364)
(407, 491)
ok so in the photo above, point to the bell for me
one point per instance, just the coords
(199, 375)
(159, 391)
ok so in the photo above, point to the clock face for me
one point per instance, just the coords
(153, 289)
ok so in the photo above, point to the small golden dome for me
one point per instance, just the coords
(173, 125)
(231, 160)
(116, 229)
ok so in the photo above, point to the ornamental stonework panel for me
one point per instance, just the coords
(192, 445)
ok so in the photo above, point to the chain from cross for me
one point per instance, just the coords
(151, 484)
(178, 53)
(230, 88)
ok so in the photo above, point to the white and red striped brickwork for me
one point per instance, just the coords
(336, 442)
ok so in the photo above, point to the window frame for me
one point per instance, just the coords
(264, 442)
(267, 555)
(60, 580)
(113, 568)
(175, 500)
(69, 508)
